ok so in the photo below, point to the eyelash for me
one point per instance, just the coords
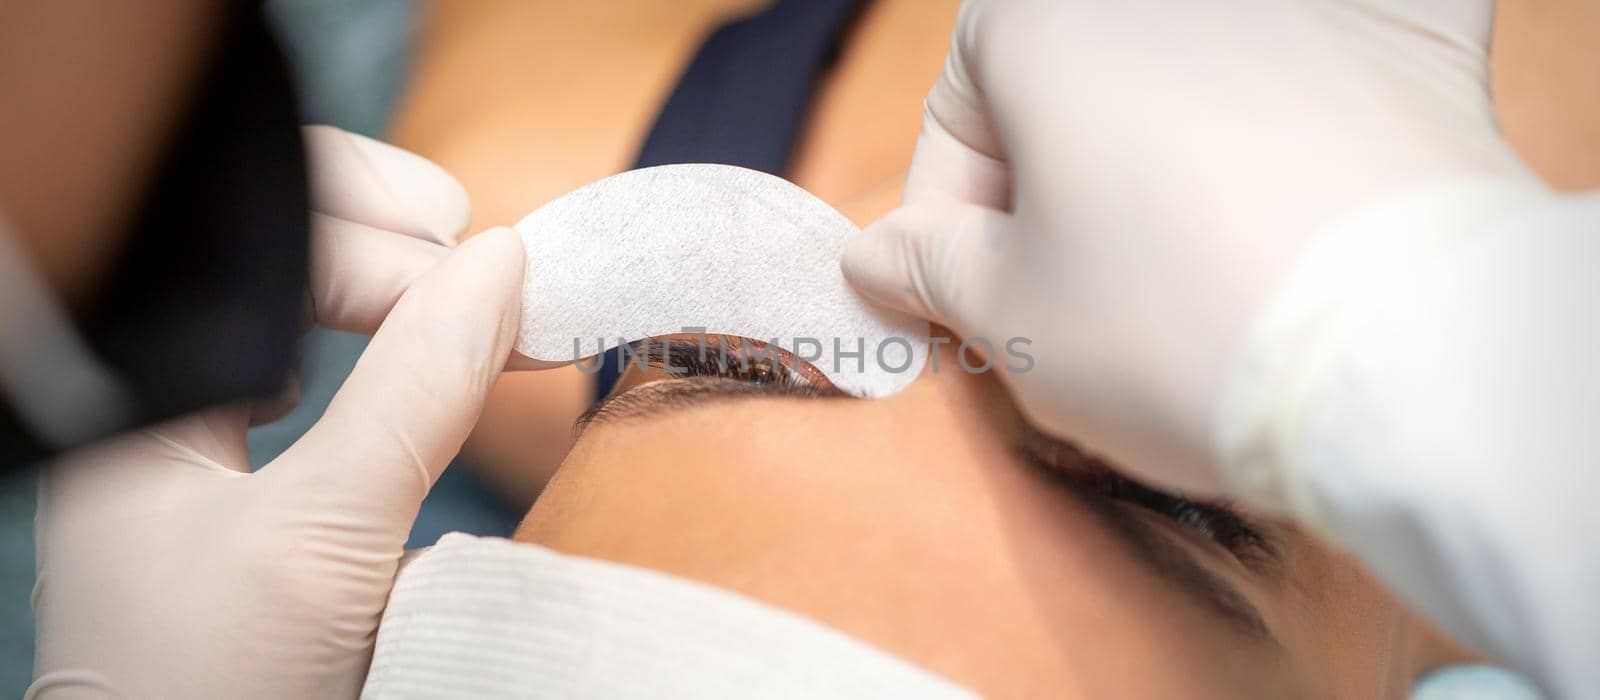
(1087, 474)
(1215, 521)
(715, 359)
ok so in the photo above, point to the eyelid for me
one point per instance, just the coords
(1241, 537)
(730, 357)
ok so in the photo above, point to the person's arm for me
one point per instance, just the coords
(1439, 415)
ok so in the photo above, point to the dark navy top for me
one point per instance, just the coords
(744, 97)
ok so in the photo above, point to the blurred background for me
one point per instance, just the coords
(486, 112)
(351, 59)
(485, 107)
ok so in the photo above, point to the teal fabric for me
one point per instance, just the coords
(17, 499)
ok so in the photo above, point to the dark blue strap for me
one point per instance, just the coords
(744, 97)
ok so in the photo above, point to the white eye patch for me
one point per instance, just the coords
(680, 248)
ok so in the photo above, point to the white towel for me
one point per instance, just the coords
(490, 618)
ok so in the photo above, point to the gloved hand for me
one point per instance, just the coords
(168, 570)
(1127, 185)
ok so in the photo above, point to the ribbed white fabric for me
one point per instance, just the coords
(490, 618)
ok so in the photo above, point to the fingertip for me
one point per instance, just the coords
(501, 249)
(502, 239)
(933, 259)
(433, 202)
(875, 263)
(484, 276)
(358, 272)
(379, 185)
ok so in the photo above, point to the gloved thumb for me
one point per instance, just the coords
(932, 259)
(416, 391)
(959, 153)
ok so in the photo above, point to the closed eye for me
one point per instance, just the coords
(1216, 521)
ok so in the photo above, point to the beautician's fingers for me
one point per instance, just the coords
(924, 258)
(358, 272)
(932, 259)
(959, 154)
(357, 275)
(371, 183)
(946, 166)
(416, 392)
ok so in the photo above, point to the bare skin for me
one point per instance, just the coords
(912, 523)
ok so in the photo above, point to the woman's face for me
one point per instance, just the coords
(934, 525)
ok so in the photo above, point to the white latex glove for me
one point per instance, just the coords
(168, 570)
(1126, 184)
